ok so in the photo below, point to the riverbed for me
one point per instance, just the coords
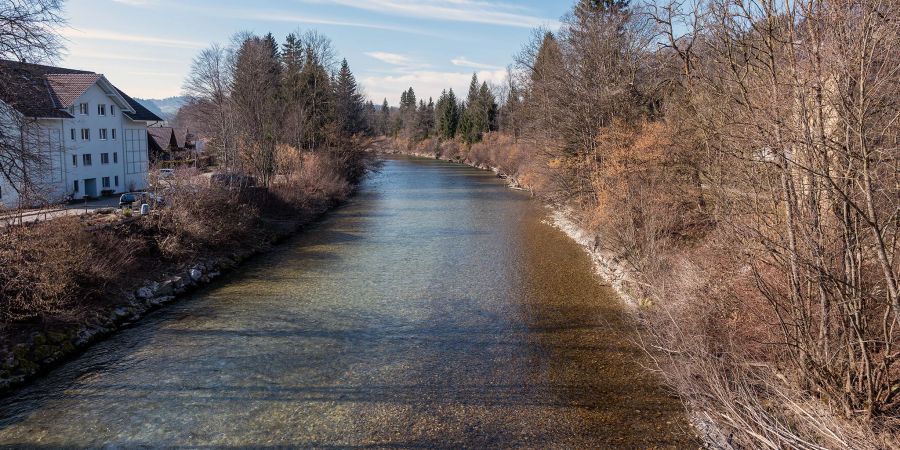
(436, 309)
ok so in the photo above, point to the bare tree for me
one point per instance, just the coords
(28, 29)
(209, 108)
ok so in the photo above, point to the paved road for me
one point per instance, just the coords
(78, 208)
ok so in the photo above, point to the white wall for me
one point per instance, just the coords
(127, 153)
(95, 146)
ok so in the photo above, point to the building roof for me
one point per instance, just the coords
(162, 136)
(45, 91)
(140, 112)
(67, 87)
(181, 135)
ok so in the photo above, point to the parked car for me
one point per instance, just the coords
(127, 200)
(166, 173)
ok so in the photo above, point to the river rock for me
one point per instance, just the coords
(144, 293)
(165, 288)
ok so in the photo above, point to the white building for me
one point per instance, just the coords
(91, 138)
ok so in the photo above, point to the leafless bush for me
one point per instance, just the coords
(200, 215)
(54, 270)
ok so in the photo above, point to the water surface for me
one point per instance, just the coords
(435, 310)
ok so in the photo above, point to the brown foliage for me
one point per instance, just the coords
(55, 270)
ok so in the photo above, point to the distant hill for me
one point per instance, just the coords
(166, 108)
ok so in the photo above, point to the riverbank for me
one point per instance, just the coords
(702, 318)
(500, 156)
(121, 267)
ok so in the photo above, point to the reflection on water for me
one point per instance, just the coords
(435, 310)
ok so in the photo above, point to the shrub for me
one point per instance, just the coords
(53, 270)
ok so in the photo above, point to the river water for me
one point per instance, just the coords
(436, 309)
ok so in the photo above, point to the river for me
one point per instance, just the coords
(435, 309)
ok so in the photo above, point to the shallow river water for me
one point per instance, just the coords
(436, 309)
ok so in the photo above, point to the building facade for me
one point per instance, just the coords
(90, 138)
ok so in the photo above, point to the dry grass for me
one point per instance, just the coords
(54, 271)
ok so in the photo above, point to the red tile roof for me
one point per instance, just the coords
(67, 87)
(45, 91)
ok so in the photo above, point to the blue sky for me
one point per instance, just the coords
(145, 46)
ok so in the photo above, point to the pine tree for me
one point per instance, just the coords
(384, 124)
(348, 103)
(256, 90)
(479, 104)
(316, 101)
(447, 115)
(292, 60)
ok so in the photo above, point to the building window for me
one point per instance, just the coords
(74, 160)
(101, 110)
(83, 109)
(85, 134)
(76, 185)
(103, 134)
(86, 159)
(72, 132)
(117, 181)
(106, 182)
(115, 157)
(113, 133)
(104, 158)
(112, 112)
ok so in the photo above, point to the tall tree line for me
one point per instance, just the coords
(447, 118)
(255, 95)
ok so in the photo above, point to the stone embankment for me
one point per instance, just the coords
(43, 350)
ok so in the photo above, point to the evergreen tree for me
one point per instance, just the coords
(488, 102)
(292, 60)
(447, 112)
(384, 123)
(476, 120)
(407, 114)
(349, 108)
(256, 89)
(424, 120)
(316, 101)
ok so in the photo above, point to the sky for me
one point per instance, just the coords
(145, 47)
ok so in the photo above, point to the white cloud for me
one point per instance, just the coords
(454, 10)
(280, 16)
(118, 57)
(390, 58)
(463, 62)
(75, 34)
(425, 83)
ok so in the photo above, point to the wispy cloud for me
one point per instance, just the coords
(463, 62)
(390, 58)
(474, 11)
(280, 16)
(118, 57)
(102, 35)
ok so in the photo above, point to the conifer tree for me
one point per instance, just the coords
(384, 123)
(315, 100)
(348, 103)
(447, 112)
(256, 95)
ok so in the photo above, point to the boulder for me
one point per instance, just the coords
(144, 293)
